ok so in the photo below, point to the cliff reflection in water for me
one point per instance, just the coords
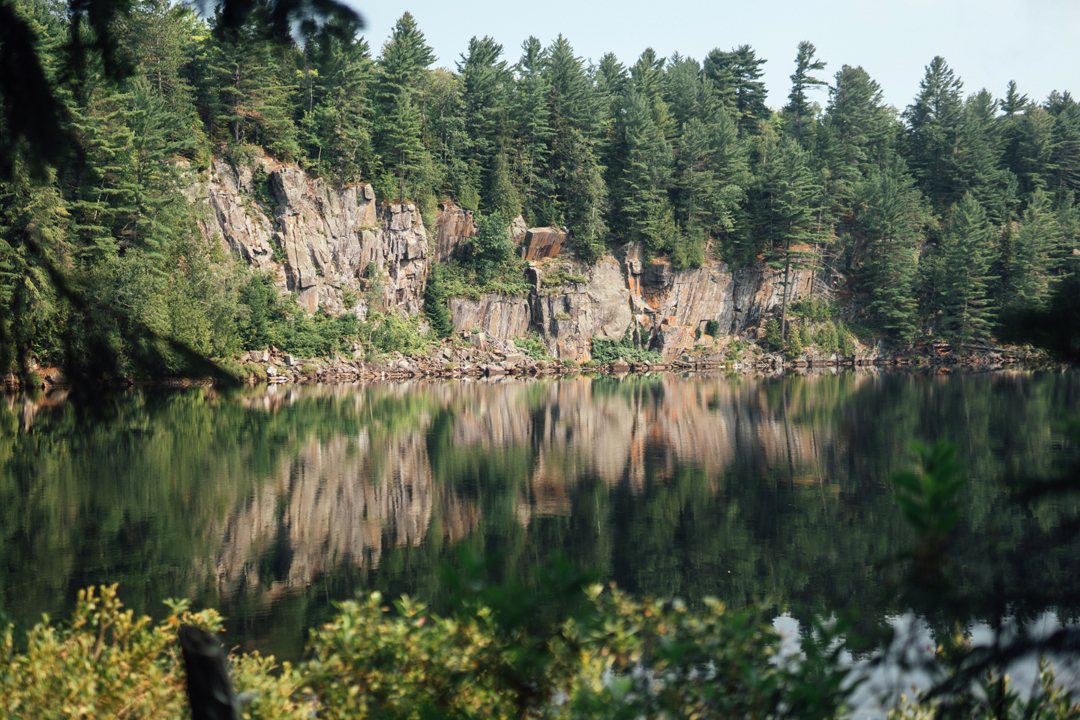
(275, 501)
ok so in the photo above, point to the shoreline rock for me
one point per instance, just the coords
(461, 358)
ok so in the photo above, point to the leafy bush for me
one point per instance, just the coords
(772, 338)
(255, 371)
(608, 351)
(393, 333)
(794, 343)
(813, 309)
(503, 653)
(826, 339)
(104, 663)
(559, 276)
(712, 328)
(533, 347)
(846, 341)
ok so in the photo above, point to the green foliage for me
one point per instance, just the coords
(826, 338)
(846, 342)
(390, 332)
(680, 155)
(505, 652)
(812, 309)
(928, 497)
(490, 250)
(712, 328)
(105, 662)
(773, 340)
(435, 307)
(559, 276)
(794, 345)
(607, 351)
(532, 347)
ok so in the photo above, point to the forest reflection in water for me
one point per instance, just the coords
(271, 503)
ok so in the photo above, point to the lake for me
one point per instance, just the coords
(272, 503)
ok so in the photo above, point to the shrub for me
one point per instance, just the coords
(393, 333)
(826, 338)
(503, 653)
(255, 371)
(435, 307)
(533, 347)
(794, 343)
(104, 663)
(845, 341)
(773, 339)
(606, 351)
(712, 328)
(812, 309)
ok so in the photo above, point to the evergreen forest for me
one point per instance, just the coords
(942, 219)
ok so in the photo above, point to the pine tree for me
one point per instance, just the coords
(934, 121)
(856, 136)
(647, 75)
(682, 89)
(503, 199)
(576, 121)
(101, 185)
(435, 309)
(694, 179)
(531, 119)
(403, 150)
(160, 213)
(785, 203)
(735, 83)
(32, 235)
(978, 159)
(485, 81)
(799, 109)
(889, 217)
(338, 114)
(401, 71)
(966, 313)
(1065, 156)
(248, 94)
(1037, 243)
(646, 172)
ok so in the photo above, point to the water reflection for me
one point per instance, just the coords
(271, 503)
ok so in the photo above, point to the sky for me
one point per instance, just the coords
(985, 42)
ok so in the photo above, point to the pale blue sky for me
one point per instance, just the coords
(986, 42)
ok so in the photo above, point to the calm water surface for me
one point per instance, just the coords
(271, 503)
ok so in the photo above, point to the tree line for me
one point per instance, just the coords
(937, 220)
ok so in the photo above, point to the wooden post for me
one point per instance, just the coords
(210, 690)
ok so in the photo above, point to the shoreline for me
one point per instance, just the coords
(457, 359)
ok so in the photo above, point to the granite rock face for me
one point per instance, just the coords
(452, 228)
(326, 240)
(337, 250)
(569, 317)
(500, 316)
(661, 306)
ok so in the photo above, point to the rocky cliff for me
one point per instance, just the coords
(327, 246)
(663, 308)
(337, 249)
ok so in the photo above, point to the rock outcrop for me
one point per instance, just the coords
(337, 250)
(319, 242)
(567, 318)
